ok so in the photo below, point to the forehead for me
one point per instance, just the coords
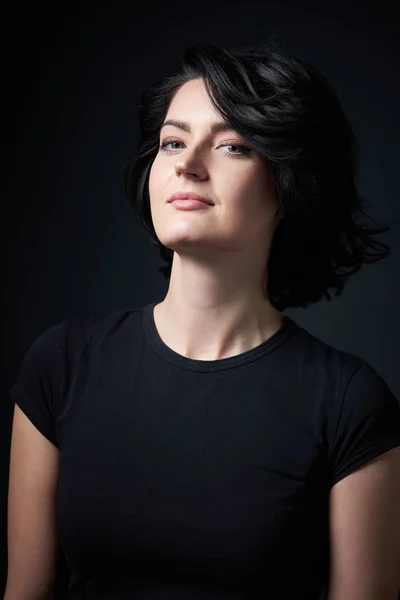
(190, 98)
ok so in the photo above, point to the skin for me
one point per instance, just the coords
(214, 307)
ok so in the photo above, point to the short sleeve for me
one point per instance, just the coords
(37, 385)
(368, 425)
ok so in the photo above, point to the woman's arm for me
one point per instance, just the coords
(32, 501)
(365, 532)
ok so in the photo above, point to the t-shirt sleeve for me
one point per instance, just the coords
(36, 388)
(368, 424)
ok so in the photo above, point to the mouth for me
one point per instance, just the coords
(182, 196)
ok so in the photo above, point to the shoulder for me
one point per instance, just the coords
(60, 346)
(321, 364)
(76, 334)
(359, 413)
(352, 373)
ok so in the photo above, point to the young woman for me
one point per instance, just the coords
(207, 446)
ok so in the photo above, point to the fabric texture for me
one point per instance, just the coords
(190, 479)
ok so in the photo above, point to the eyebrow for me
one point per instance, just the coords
(215, 127)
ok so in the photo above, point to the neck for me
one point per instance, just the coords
(215, 331)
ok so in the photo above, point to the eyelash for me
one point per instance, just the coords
(244, 149)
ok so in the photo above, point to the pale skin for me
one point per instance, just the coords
(215, 298)
(215, 308)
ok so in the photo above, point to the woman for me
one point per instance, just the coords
(207, 446)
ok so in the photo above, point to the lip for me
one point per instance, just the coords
(189, 196)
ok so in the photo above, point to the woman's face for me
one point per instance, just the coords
(236, 180)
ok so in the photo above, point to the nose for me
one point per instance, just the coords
(190, 165)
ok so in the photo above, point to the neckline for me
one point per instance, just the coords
(269, 345)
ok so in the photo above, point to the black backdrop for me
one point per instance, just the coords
(70, 72)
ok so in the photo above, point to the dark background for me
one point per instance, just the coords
(70, 73)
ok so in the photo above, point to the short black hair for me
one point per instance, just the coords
(289, 113)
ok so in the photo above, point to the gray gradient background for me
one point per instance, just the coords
(73, 247)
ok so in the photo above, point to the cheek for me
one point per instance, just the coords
(263, 193)
(254, 203)
(250, 189)
(154, 181)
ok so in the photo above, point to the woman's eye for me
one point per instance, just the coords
(165, 144)
(243, 149)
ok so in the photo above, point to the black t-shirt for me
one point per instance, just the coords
(190, 479)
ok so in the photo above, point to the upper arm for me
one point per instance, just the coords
(364, 516)
(32, 522)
